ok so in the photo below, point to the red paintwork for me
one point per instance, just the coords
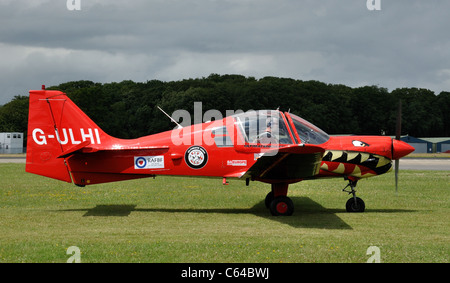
(65, 144)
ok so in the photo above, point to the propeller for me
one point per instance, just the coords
(399, 148)
(398, 131)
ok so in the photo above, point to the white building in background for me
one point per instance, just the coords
(11, 142)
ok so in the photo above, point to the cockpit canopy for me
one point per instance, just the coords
(307, 132)
(274, 127)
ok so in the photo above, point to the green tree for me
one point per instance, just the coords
(371, 109)
(442, 107)
(129, 110)
(420, 118)
(14, 115)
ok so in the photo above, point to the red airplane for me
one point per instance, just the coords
(270, 146)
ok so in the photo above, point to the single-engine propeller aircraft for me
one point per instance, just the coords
(271, 146)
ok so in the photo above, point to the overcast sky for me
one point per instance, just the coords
(405, 44)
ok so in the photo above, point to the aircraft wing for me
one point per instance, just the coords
(287, 163)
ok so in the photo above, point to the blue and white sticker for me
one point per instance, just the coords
(149, 162)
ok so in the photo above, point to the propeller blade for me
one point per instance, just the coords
(398, 133)
(398, 127)
(397, 164)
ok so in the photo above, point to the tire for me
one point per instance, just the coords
(269, 199)
(281, 206)
(358, 206)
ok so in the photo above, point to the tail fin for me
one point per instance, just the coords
(56, 127)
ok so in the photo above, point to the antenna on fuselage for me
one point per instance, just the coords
(171, 119)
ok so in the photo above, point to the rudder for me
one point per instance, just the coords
(55, 126)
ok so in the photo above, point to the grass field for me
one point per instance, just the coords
(200, 220)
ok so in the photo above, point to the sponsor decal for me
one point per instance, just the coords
(236, 162)
(149, 162)
(196, 157)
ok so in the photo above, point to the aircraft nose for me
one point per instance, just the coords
(400, 149)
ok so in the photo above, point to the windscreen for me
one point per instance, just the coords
(308, 133)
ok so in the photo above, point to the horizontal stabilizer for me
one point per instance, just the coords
(140, 148)
(74, 149)
(84, 148)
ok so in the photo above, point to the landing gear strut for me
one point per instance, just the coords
(354, 204)
(277, 201)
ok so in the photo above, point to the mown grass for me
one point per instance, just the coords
(174, 219)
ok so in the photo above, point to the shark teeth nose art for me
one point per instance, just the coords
(353, 163)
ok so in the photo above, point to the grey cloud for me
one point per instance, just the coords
(404, 44)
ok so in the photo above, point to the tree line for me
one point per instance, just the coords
(129, 109)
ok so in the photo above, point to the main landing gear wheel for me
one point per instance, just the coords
(269, 199)
(277, 201)
(281, 206)
(355, 204)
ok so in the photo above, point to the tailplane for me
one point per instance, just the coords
(57, 127)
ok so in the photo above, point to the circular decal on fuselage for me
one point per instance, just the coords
(141, 162)
(196, 157)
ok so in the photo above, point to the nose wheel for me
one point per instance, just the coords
(354, 204)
